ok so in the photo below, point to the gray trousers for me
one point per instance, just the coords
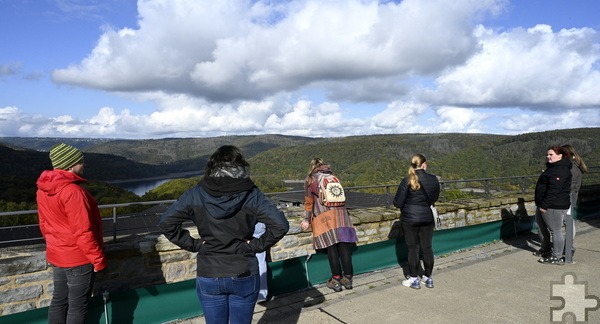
(550, 224)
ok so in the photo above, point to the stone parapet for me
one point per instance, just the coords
(26, 281)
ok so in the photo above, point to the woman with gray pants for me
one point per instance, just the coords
(553, 199)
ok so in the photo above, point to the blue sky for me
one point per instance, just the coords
(197, 68)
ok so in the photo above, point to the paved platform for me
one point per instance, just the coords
(501, 282)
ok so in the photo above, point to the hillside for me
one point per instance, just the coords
(359, 160)
(381, 159)
(45, 143)
(363, 160)
(184, 151)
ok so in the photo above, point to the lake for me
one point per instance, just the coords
(141, 186)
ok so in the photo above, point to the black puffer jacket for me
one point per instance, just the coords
(225, 211)
(413, 204)
(553, 188)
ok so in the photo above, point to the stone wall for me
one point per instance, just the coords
(26, 279)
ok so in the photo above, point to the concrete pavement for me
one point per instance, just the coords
(500, 282)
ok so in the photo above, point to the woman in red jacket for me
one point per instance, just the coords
(72, 228)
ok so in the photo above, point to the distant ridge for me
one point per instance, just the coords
(358, 160)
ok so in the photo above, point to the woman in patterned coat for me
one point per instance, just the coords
(331, 228)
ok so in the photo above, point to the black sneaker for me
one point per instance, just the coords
(552, 260)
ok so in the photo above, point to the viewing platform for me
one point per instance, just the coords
(485, 273)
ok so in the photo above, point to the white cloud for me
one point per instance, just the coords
(236, 50)
(541, 121)
(455, 119)
(252, 67)
(534, 68)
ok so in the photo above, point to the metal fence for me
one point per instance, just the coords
(120, 224)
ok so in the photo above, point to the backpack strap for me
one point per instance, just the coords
(425, 193)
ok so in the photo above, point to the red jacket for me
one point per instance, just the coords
(69, 220)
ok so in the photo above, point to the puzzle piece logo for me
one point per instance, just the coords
(576, 303)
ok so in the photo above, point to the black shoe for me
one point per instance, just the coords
(552, 260)
(542, 253)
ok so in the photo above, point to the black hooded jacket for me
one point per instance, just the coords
(224, 210)
(553, 188)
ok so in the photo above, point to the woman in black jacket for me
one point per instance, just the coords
(225, 206)
(553, 199)
(414, 196)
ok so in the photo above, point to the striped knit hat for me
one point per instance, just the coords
(64, 156)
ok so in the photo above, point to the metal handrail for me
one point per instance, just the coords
(388, 193)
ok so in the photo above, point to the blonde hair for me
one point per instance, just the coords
(416, 161)
(314, 165)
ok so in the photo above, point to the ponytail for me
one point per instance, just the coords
(416, 161)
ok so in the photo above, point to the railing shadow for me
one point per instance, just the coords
(286, 307)
(517, 224)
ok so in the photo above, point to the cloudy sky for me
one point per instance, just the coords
(199, 68)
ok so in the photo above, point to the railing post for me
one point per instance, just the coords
(114, 224)
(487, 187)
(388, 203)
(523, 185)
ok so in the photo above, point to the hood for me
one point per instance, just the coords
(53, 181)
(562, 162)
(225, 195)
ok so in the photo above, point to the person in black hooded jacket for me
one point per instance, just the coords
(553, 199)
(225, 206)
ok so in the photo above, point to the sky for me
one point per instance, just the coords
(204, 68)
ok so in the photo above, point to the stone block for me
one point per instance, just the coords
(17, 308)
(23, 264)
(21, 294)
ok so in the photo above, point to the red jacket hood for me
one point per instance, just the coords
(53, 181)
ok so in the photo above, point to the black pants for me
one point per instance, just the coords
(71, 295)
(340, 251)
(419, 235)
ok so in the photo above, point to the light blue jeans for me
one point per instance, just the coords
(228, 299)
(550, 224)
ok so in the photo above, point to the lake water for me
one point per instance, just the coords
(140, 187)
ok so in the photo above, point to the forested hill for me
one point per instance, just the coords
(359, 160)
(380, 159)
(177, 150)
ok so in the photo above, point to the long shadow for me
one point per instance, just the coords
(589, 212)
(118, 289)
(292, 277)
(400, 247)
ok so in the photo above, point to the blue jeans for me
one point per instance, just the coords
(229, 299)
(72, 292)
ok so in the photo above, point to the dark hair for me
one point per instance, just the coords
(559, 150)
(226, 155)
